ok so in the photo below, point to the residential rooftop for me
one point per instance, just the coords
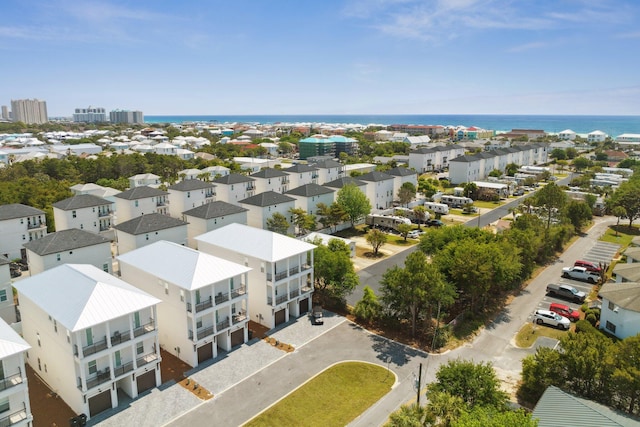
(64, 240)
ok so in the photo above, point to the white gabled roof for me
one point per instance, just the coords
(10, 342)
(255, 242)
(182, 266)
(81, 295)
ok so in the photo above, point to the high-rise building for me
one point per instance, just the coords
(31, 111)
(5, 112)
(90, 115)
(125, 116)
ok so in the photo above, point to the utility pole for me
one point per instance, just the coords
(419, 384)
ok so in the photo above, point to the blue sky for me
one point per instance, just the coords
(324, 57)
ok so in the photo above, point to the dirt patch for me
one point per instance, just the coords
(257, 330)
(288, 348)
(171, 367)
(193, 387)
(48, 408)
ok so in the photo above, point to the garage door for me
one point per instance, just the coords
(100, 402)
(304, 306)
(237, 337)
(281, 317)
(146, 381)
(205, 352)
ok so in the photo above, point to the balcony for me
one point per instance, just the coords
(294, 270)
(13, 419)
(238, 292)
(161, 203)
(95, 347)
(100, 377)
(306, 267)
(269, 301)
(146, 359)
(239, 317)
(10, 381)
(306, 288)
(105, 227)
(281, 275)
(251, 187)
(38, 224)
(284, 181)
(281, 298)
(119, 338)
(203, 305)
(204, 332)
(123, 369)
(102, 214)
(144, 329)
(209, 194)
(220, 298)
(222, 325)
(294, 293)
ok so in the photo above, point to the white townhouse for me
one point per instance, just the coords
(379, 189)
(427, 159)
(92, 336)
(234, 187)
(400, 176)
(281, 276)
(347, 180)
(189, 194)
(596, 136)
(85, 212)
(567, 134)
(15, 408)
(261, 207)
(308, 196)
(106, 193)
(216, 172)
(140, 201)
(187, 174)
(204, 298)
(145, 179)
(328, 170)
(20, 224)
(211, 216)
(301, 174)
(147, 229)
(269, 179)
(7, 306)
(71, 246)
(620, 314)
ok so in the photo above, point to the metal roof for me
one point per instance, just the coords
(64, 240)
(182, 266)
(255, 242)
(10, 342)
(79, 296)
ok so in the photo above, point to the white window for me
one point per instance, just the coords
(3, 295)
(74, 214)
(57, 257)
(93, 367)
(140, 348)
(105, 267)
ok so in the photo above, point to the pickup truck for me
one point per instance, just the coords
(567, 292)
(580, 273)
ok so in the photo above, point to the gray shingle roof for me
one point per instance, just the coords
(341, 182)
(310, 190)
(190, 185)
(80, 201)
(233, 178)
(375, 176)
(401, 172)
(299, 168)
(326, 164)
(64, 240)
(214, 210)
(630, 271)
(4, 260)
(141, 193)
(625, 295)
(268, 198)
(17, 210)
(269, 173)
(148, 223)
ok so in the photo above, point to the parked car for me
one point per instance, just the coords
(590, 266)
(567, 292)
(415, 234)
(434, 223)
(318, 318)
(546, 317)
(580, 273)
(519, 192)
(565, 310)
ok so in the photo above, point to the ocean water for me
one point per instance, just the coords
(611, 125)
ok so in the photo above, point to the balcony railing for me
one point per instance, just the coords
(38, 224)
(294, 293)
(147, 358)
(204, 332)
(238, 292)
(105, 227)
(251, 187)
(220, 298)
(11, 381)
(222, 325)
(161, 203)
(102, 214)
(239, 317)
(210, 194)
(281, 275)
(281, 298)
(294, 270)
(306, 267)
(144, 329)
(95, 347)
(13, 419)
(269, 301)
(306, 288)
(119, 337)
(100, 377)
(203, 305)
(123, 369)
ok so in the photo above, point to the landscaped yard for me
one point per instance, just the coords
(333, 398)
(530, 332)
(624, 234)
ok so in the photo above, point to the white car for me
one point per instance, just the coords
(550, 318)
(414, 234)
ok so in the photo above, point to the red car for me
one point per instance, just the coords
(590, 266)
(566, 311)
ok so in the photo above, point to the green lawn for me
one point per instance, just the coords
(487, 205)
(333, 398)
(622, 237)
(530, 332)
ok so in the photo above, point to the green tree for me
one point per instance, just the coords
(572, 153)
(539, 371)
(353, 202)
(444, 408)
(406, 193)
(334, 275)
(480, 416)
(420, 213)
(303, 221)
(580, 163)
(578, 213)
(368, 309)
(331, 216)
(408, 416)
(475, 384)
(558, 154)
(626, 196)
(404, 230)
(496, 173)
(427, 187)
(625, 379)
(618, 212)
(278, 223)
(376, 239)
(551, 199)
(511, 169)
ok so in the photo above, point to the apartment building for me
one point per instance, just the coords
(92, 336)
(140, 201)
(145, 179)
(234, 187)
(15, 408)
(189, 194)
(147, 229)
(20, 224)
(84, 212)
(301, 174)
(400, 176)
(90, 115)
(29, 111)
(269, 179)
(204, 298)
(211, 216)
(328, 170)
(261, 207)
(280, 283)
(308, 197)
(438, 157)
(125, 116)
(379, 189)
(7, 306)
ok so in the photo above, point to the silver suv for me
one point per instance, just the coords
(552, 319)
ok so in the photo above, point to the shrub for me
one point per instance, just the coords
(585, 326)
(591, 318)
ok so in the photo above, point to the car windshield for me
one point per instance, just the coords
(557, 317)
(573, 290)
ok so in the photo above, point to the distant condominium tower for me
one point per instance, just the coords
(90, 115)
(5, 112)
(124, 116)
(31, 111)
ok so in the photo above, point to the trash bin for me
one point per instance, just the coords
(82, 420)
(74, 422)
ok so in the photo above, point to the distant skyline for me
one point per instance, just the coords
(568, 57)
